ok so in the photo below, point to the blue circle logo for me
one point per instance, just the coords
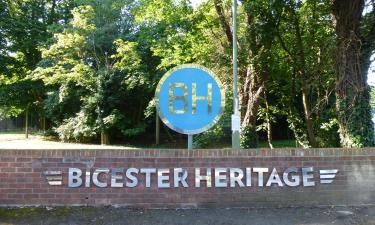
(189, 99)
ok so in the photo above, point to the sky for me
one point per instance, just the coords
(371, 73)
(196, 2)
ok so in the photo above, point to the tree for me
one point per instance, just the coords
(355, 32)
(305, 39)
(21, 96)
(184, 35)
(92, 70)
(284, 57)
(24, 25)
(91, 60)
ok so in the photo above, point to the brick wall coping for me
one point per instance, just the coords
(197, 153)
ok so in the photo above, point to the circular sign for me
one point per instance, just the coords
(189, 99)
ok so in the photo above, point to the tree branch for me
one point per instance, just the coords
(283, 45)
(223, 21)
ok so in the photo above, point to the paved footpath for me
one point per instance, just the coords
(117, 216)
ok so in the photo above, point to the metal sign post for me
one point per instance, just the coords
(189, 100)
(157, 128)
(190, 142)
(236, 119)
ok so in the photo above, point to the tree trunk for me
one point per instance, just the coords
(44, 124)
(157, 128)
(104, 138)
(296, 124)
(268, 121)
(352, 91)
(308, 119)
(27, 122)
(223, 21)
(301, 63)
(52, 14)
(252, 90)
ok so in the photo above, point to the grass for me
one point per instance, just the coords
(19, 136)
(279, 144)
(6, 213)
(12, 132)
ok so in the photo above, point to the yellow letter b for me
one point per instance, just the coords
(173, 98)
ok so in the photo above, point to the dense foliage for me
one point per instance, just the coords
(88, 68)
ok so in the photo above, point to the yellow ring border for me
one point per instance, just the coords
(222, 102)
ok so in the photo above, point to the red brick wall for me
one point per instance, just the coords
(22, 179)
